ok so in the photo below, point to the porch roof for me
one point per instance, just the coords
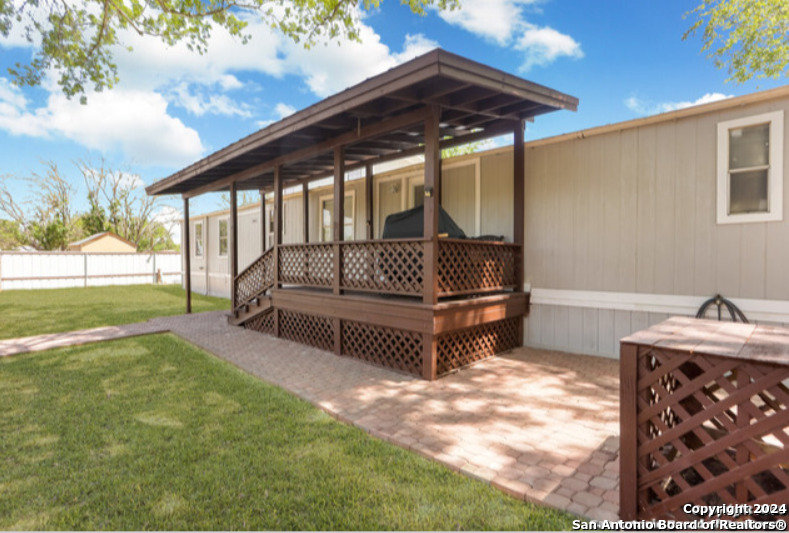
(379, 119)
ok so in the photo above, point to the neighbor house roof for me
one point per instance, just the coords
(377, 119)
(97, 236)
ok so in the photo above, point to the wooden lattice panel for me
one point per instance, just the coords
(393, 267)
(313, 330)
(460, 348)
(306, 264)
(711, 430)
(389, 347)
(263, 323)
(465, 267)
(256, 279)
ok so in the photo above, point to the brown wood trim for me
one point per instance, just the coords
(368, 201)
(478, 311)
(628, 432)
(277, 237)
(380, 312)
(233, 237)
(402, 314)
(477, 291)
(305, 211)
(188, 259)
(519, 199)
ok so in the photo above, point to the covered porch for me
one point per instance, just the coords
(426, 305)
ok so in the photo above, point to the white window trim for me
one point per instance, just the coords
(325, 197)
(774, 174)
(199, 251)
(219, 237)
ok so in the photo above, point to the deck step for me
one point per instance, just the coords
(250, 311)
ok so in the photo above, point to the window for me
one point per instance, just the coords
(223, 238)
(750, 169)
(198, 239)
(327, 214)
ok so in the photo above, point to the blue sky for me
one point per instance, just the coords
(622, 58)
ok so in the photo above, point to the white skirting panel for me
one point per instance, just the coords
(592, 323)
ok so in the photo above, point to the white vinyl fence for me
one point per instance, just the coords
(49, 270)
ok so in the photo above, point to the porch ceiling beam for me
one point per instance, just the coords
(364, 132)
(436, 92)
(497, 128)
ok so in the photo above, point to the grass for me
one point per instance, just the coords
(34, 312)
(152, 433)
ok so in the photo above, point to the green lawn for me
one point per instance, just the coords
(33, 312)
(152, 433)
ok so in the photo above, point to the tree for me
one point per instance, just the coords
(76, 37)
(10, 235)
(46, 219)
(117, 205)
(750, 38)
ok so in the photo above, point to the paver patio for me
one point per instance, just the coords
(540, 425)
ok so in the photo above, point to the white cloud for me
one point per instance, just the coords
(647, 108)
(283, 110)
(197, 102)
(495, 20)
(328, 69)
(544, 45)
(503, 22)
(133, 122)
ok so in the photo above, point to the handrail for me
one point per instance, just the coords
(254, 280)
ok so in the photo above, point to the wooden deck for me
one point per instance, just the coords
(372, 305)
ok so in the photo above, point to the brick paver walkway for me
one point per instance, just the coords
(539, 425)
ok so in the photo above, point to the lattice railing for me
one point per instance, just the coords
(468, 267)
(392, 267)
(255, 280)
(389, 347)
(710, 430)
(310, 264)
(461, 348)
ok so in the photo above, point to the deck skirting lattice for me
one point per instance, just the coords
(263, 323)
(461, 348)
(389, 347)
(313, 330)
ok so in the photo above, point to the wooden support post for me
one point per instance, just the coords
(233, 231)
(187, 258)
(519, 198)
(432, 193)
(368, 201)
(338, 224)
(305, 196)
(277, 214)
(429, 356)
(628, 432)
(263, 228)
(337, 324)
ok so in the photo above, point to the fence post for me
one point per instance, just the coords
(154, 267)
(85, 268)
(1, 272)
